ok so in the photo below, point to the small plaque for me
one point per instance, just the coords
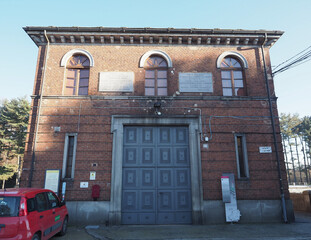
(84, 184)
(267, 149)
(196, 82)
(116, 81)
(92, 175)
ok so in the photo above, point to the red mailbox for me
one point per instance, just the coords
(95, 192)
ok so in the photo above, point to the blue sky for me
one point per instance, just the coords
(19, 53)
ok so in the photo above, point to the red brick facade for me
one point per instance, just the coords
(90, 116)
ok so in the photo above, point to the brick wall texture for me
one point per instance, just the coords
(90, 117)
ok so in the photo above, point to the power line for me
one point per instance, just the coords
(294, 61)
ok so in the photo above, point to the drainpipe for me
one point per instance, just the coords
(274, 134)
(39, 113)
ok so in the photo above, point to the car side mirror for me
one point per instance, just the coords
(62, 203)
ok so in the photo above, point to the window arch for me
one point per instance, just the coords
(235, 55)
(77, 75)
(232, 77)
(155, 76)
(72, 52)
(155, 52)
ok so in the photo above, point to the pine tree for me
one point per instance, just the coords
(14, 117)
(304, 128)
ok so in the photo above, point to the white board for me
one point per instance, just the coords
(116, 81)
(196, 82)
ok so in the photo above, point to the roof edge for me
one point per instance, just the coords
(152, 36)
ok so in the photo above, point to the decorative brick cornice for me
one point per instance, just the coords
(152, 36)
(207, 98)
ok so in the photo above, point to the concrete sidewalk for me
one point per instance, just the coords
(301, 229)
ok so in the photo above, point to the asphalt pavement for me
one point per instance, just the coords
(300, 230)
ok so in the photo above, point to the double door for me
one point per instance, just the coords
(156, 187)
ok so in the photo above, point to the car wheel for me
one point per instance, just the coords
(64, 227)
(36, 237)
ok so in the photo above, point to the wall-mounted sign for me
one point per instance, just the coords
(84, 184)
(116, 81)
(52, 177)
(92, 175)
(196, 82)
(267, 149)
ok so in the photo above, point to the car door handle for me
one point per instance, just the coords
(41, 216)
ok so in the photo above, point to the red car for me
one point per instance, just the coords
(29, 213)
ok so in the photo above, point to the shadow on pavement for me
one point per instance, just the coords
(301, 230)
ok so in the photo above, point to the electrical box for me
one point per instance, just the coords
(229, 197)
(225, 187)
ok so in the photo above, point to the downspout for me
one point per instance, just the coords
(274, 134)
(39, 113)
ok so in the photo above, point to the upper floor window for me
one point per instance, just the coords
(232, 77)
(155, 76)
(78, 71)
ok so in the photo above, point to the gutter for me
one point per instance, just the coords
(151, 30)
(274, 135)
(33, 158)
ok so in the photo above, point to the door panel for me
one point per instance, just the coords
(130, 178)
(182, 178)
(148, 157)
(148, 178)
(165, 158)
(130, 157)
(165, 200)
(56, 214)
(130, 201)
(129, 218)
(183, 200)
(165, 178)
(44, 214)
(147, 218)
(181, 156)
(183, 217)
(166, 218)
(148, 201)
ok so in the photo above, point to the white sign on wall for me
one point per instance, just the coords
(92, 175)
(116, 81)
(267, 149)
(196, 82)
(84, 184)
(52, 178)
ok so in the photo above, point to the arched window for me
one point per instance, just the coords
(77, 79)
(155, 76)
(232, 77)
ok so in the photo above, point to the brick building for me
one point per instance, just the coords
(157, 116)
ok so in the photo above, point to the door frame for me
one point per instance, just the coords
(117, 129)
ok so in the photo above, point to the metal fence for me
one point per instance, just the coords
(297, 160)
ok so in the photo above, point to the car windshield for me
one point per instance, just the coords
(9, 206)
